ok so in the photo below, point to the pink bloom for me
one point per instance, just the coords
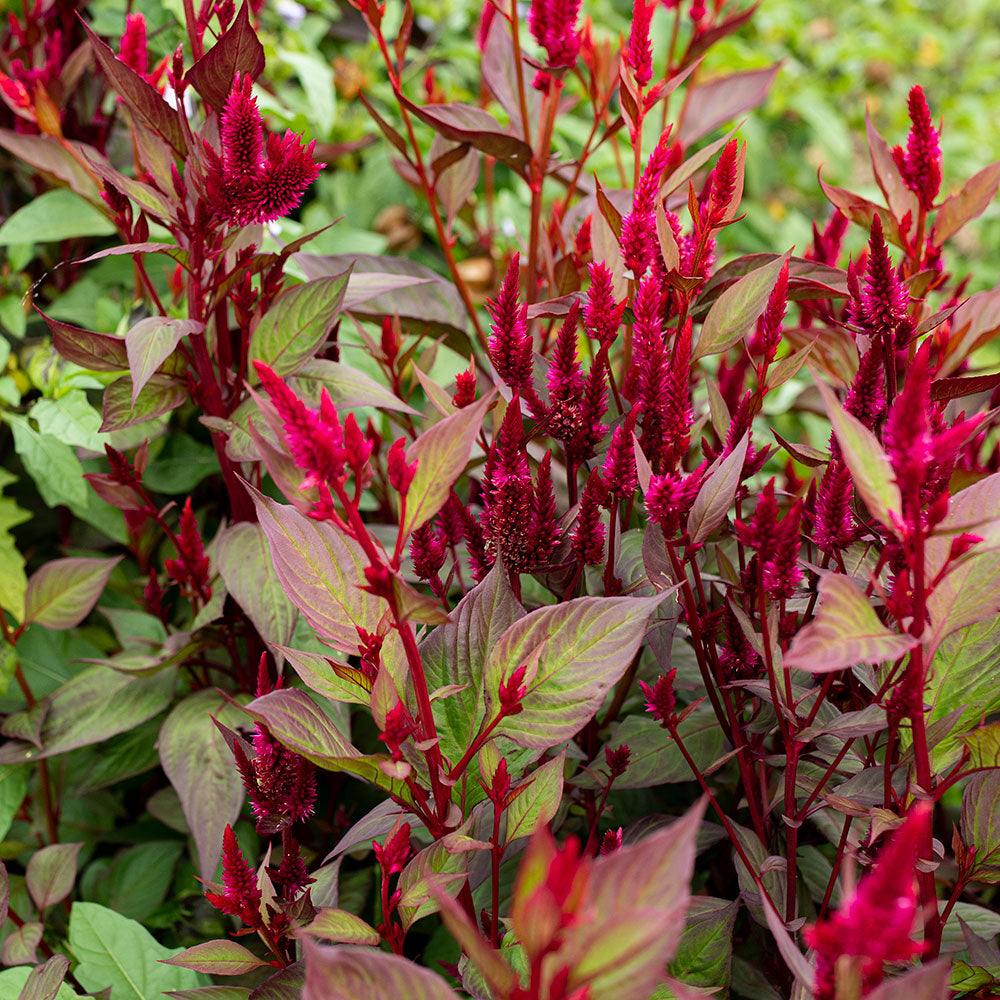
(639, 54)
(884, 300)
(133, 50)
(400, 471)
(510, 343)
(512, 691)
(465, 388)
(873, 924)
(590, 430)
(723, 183)
(242, 896)
(601, 315)
(660, 700)
(769, 324)
(392, 854)
(190, 568)
(588, 536)
(920, 165)
(619, 470)
(833, 523)
(617, 760)
(553, 26)
(427, 550)
(670, 497)
(545, 530)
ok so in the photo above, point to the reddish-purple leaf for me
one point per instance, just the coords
(217, 958)
(973, 323)
(967, 204)
(959, 386)
(348, 973)
(161, 394)
(718, 101)
(466, 123)
(51, 873)
(900, 199)
(341, 926)
(500, 75)
(237, 51)
(717, 494)
(44, 981)
(200, 767)
(62, 593)
(861, 211)
(845, 631)
(140, 97)
(19, 946)
(49, 156)
(94, 351)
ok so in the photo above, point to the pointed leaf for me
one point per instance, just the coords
(63, 592)
(717, 494)
(51, 873)
(576, 651)
(54, 216)
(45, 982)
(237, 51)
(150, 342)
(161, 394)
(94, 351)
(217, 958)
(722, 99)
(539, 802)
(845, 631)
(441, 454)
(341, 926)
(298, 323)
(965, 205)
(201, 769)
(736, 310)
(321, 571)
(869, 465)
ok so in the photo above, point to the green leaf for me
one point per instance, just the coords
(736, 310)
(137, 881)
(870, 468)
(243, 559)
(441, 454)
(341, 926)
(538, 802)
(123, 408)
(346, 386)
(216, 993)
(51, 873)
(575, 652)
(150, 342)
(984, 745)
(456, 654)
(50, 463)
(292, 330)
(845, 631)
(71, 419)
(53, 216)
(344, 973)
(321, 570)
(180, 465)
(92, 706)
(13, 787)
(200, 767)
(705, 952)
(981, 824)
(114, 951)
(218, 958)
(63, 592)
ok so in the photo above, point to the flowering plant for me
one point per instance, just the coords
(580, 646)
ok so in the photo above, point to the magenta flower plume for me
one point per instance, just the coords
(619, 463)
(611, 841)
(190, 568)
(833, 523)
(660, 700)
(427, 550)
(465, 388)
(545, 531)
(133, 51)
(776, 543)
(639, 55)
(826, 244)
(670, 496)
(602, 317)
(723, 183)
(510, 343)
(314, 440)
(907, 435)
(884, 300)
(591, 430)
(873, 925)
(508, 496)
(617, 760)
(650, 369)
(588, 536)
(769, 324)
(287, 171)
(242, 896)
(920, 165)
(280, 785)
(253, 182)
(638, 241)
(292, 875)
(565, 379)
(392, 854)
(865, 399)
(553, 26)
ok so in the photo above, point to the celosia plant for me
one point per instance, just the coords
(586, 645)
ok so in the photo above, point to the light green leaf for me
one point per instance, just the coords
(219, 958)
(50, 463)
(981, 824)
(574, 652)
(62, 593)
(13, 786)
(293, 329)
(55, 215)
(346, 386)
(845, 631)
(13, 982)
(341, 926)
(705, 952)
(71, 419)
(114, 951)
(539, 801)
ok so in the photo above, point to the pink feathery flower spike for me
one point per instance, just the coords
(553, 26)
(884, 300)
(639, 54)
(874, 924)
(619, 463)
(602, 317)
(723, 183)
(510, 342)
(920, 165)
(588, 537)
(133, 51)
(670, 496)
(191, 565)
(833, 523)
(545, 531)
(638, 241)
(242, 896)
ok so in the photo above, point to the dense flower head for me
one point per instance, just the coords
(884, 300)
(602, 316)
(545, 530)
(660, 699)
(776, 542)
(280, 784)
(510, 342)
(724, 178)
(133, 50)
(254, 181)
(427, 550)
(611, 841)
(619, 469)
(242, 895)
(565, 379)
(590, 429)
(190, 568)
(639, 54)
(920, 165)
(399, 471)
(465, 388)
(617, 760)
(588, 536)
(874, 924)
(392, 854)
(769, 324)
(865, 399)
(512, 690)
(553, 26)
(670, 496)
(833, 523)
